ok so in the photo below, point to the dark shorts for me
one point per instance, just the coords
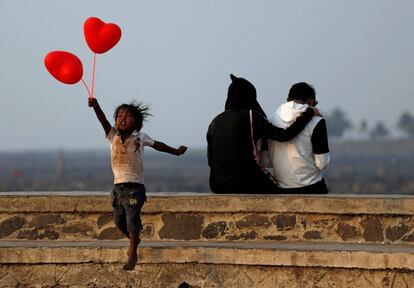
(127, 202)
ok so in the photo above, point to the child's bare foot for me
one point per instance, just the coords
(132, 251)
(130, 264)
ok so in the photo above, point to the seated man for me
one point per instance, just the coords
(298, 163)
(233, 168)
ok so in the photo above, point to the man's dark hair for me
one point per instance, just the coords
(301, 91)
(138, 110)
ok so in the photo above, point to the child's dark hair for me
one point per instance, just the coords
(301, 91)
(138, 110)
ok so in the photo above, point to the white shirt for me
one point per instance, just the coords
(294, 163)
(126, 158)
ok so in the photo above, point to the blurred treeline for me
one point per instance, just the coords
(364, 166)
(340, 126)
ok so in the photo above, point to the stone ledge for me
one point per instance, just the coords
(205, 202)
(68, 216)
(329, 255)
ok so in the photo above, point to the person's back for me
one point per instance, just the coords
(230, 151)
(229, 142)
(298, 164)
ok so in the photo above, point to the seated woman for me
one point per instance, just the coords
(233, 168)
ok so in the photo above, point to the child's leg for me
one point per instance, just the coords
(134, 241)
(119, 213)
(133, 205)
(120, 220)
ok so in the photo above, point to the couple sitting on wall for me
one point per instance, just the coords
(295, 137)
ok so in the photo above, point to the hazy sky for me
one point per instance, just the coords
(177, 57)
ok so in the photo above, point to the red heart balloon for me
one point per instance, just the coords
(101, 36)
(64, 66)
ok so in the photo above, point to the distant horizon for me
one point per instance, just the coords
(359, 167)
(148, 150)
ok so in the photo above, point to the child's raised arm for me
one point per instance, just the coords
(159, 146)
(92, 102)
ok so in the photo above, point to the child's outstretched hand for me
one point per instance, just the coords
(160, 146)
(181, 150)
(92, 102)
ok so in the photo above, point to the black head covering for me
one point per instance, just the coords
(242, 95)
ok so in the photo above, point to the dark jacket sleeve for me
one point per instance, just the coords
(320, 138)
(265, 129)
(208, 151)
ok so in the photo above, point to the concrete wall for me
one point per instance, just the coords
(69, 240)
(347, 219)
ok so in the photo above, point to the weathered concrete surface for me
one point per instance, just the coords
(87, 216)
(198, 276)
(361, 256)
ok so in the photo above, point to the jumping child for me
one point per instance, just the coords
(127, 146)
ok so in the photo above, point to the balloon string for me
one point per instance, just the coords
(93, 73)
(87, 89)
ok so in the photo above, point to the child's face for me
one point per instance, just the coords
(125, 121)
